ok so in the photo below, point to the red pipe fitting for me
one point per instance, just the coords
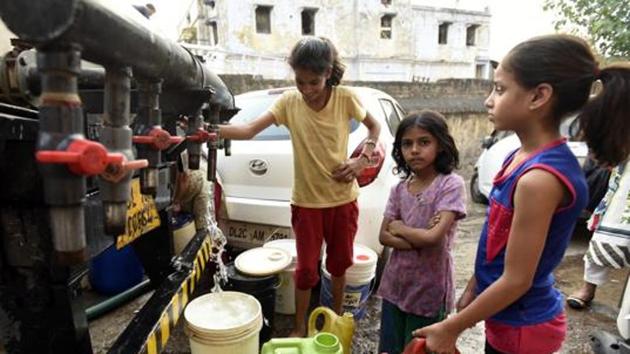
(115, 172)
(83, 157)
(202, 136)
(158, 139)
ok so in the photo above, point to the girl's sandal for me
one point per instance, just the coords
(577, 303)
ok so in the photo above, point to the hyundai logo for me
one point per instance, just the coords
(258, 167)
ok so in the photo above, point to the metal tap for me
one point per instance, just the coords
(65, 156)
(151, 138)
(116, 136)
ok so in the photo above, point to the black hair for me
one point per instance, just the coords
(433, 122)
(567, 64)
(317, 54)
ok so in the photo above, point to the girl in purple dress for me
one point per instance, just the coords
(417, 284)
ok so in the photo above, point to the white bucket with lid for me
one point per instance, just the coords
(285, 295)
(358, 281)
(223, 323)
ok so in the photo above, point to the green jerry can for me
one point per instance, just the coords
(322, 343)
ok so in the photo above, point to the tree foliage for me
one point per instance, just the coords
(606, 22)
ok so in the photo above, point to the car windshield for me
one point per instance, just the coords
(252, 107)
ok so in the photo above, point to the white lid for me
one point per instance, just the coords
(364, 255)
(261, 261)
(285, 244)
(364, 259)
(224, 313)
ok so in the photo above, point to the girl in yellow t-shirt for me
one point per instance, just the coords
(323, 204)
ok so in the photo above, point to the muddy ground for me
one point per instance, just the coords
(601, 315)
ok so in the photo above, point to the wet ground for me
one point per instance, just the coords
(601, 315)
(468, 133)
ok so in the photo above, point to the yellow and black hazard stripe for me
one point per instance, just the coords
(157, 339)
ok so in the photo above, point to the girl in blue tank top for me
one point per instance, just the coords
(538, 194)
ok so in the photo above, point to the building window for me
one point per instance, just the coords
(443, 32)
(308, 21)
(471, 34)
(263, 19)
(214, 33)
(480, 70)
(386, 26)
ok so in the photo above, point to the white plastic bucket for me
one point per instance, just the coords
(228, 322)
(285, 294)
(359, 281)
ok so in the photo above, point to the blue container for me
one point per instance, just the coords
(114, 271)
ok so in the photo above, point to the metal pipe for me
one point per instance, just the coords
(61, 119)
(213, 144)
(116, 136)
(149, 116)
(195, 123)
(128, 41)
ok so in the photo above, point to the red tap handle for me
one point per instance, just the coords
(202, 136)
(158, 138)
(83, 157)
(117, 171)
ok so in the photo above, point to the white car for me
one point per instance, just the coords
(496, 148)
(255, 181)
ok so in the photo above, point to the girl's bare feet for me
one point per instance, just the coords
(298, 333)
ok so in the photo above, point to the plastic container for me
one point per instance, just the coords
(285, 295)
(322, 343)
(359, 282)
(223, 323)
(114, 271)
(183, 231)
(418, 346)
(262, 288)
(261, 261)
(340, 326)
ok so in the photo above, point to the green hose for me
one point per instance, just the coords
(117, 300)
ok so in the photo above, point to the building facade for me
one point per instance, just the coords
(378, 40)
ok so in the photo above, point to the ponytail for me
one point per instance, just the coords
(605, 119)
(338, 68)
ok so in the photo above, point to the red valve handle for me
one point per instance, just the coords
(202, 136)
(158, 138)
(117, 171)
(83, 157)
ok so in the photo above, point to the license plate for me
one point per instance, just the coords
(142, 216)
(245, 234)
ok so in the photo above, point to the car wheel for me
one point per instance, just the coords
(475, 193)
(380, 266)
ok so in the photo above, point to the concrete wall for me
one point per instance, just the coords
(446, 96)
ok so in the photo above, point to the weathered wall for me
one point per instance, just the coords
(412, 52)
(447, 96)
